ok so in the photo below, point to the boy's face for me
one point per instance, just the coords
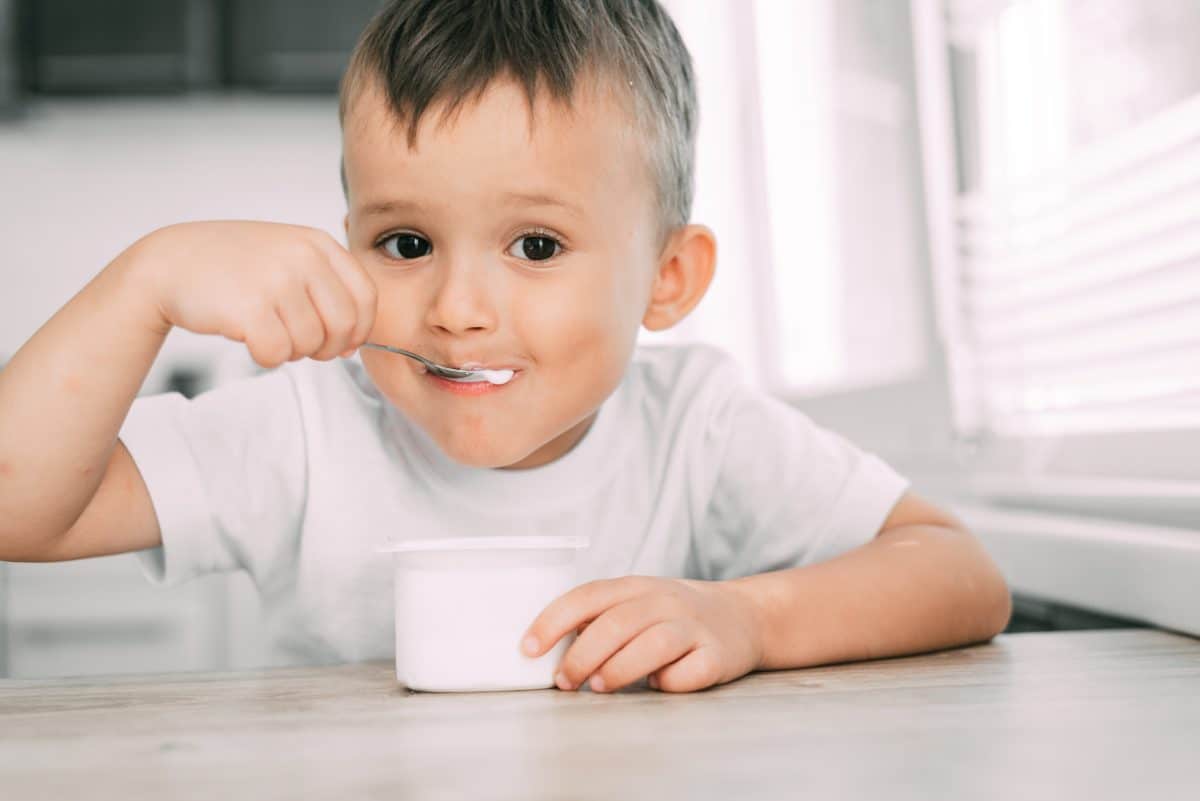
(503, 242)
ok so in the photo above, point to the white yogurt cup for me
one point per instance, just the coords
(463, 605)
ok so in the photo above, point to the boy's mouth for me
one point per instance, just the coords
(492, 375)
(474, 386)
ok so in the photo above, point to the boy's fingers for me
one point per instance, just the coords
(694, 671)
(268, 340)
(303, 324)
(577, 607)
(366, 298)
(608, 634)
(659, 645)
(338, 315)
(359, 284)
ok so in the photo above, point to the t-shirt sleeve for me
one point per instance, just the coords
(787, 491)
(226, 475)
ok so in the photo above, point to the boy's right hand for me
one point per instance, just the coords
(286, 291)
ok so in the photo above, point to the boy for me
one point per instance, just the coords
(518, 179)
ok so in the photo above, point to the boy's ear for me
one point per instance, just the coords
(684, 272)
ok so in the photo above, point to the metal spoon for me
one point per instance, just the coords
(441, 369)
(433, 367)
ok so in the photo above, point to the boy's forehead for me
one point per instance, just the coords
(497, 138)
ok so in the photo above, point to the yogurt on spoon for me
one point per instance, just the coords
(462, 375)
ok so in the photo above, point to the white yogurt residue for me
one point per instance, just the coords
(495, 377)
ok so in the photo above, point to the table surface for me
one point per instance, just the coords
(1089, 715)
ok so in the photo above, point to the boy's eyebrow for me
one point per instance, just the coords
(526, 198)
(539, 199)
(387, 207)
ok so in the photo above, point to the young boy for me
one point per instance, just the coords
(518, 177)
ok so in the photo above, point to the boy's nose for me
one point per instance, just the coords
(462, 300)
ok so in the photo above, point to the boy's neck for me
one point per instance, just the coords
(556, 448)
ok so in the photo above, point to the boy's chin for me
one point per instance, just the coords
(490, 455)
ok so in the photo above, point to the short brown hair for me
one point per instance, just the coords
(422, 52)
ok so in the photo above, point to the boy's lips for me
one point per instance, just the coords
(471, 388)
(474, 363)
(469, 362)
(469, 365)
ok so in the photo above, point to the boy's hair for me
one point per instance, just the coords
(422, 52)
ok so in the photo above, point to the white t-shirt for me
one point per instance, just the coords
(297, 476)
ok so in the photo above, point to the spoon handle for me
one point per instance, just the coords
(433, 367)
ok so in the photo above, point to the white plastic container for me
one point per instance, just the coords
(463, 605)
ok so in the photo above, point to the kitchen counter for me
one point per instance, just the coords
(1089, 715)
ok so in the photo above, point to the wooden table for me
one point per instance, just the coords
(1089, 715)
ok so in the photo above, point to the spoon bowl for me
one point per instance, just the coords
(453, 373)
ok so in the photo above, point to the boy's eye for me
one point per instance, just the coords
(406, 246)
(534, 248)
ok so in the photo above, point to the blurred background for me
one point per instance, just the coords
(964, 233)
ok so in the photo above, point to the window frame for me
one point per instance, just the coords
(1017, 469)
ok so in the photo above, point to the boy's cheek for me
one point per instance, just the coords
(591, 323)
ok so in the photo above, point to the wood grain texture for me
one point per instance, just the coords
(1089, 715)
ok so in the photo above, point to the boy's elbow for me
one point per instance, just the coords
(995, 605)
(1002, 608)
(24, 548)
(21, 541)
(992, 600)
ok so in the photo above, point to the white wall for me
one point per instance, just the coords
(82, 180)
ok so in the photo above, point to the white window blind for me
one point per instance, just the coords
(1082, 290)
(1077, 216)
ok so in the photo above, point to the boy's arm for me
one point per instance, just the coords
(68, 487)
(922, 584)
(63, 398)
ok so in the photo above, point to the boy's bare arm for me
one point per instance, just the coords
(68, 487)
(923, 583)
(63, 398)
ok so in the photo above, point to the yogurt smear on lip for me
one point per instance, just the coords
(493, 377)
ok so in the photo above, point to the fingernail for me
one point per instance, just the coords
(597, 684)
(529, 645)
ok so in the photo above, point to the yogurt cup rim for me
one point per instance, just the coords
(485, 544)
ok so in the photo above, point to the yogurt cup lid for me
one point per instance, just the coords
(484, 544)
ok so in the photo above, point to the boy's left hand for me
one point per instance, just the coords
(685, 635)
